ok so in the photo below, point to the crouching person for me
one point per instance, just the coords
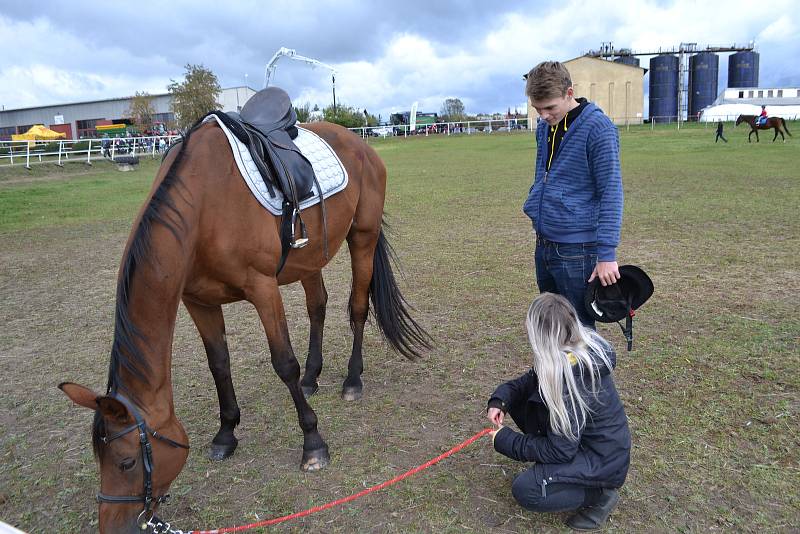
(573, 423)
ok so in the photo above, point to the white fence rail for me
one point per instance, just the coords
(447, 128)
(515, 125)
(29, 153)
(61, 151)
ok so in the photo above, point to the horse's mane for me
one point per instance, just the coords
(125, 354)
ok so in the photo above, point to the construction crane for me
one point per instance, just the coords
(269, 72)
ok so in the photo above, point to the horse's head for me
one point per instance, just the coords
(739, 120)
(133, 453)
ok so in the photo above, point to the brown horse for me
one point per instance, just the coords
(202, 238)
(772, 122)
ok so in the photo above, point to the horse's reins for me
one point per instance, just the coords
(147, 464)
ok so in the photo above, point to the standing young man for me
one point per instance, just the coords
(575, 201)
(719, 132)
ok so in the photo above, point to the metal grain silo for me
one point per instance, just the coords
(743, 69)
(664, 87)
(627, 60)
(703, 71)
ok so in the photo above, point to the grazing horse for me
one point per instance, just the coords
(203, 238)
(772, 122)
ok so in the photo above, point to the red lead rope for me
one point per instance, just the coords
(355, 496)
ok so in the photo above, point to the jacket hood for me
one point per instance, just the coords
(583, 371)
(587, 111)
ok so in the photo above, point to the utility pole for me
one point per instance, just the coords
(683, 73)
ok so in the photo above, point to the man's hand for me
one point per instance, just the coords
(495, 415)
(606, 271)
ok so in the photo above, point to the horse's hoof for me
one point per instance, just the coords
(221, 452)
(309, 390)
(315, 460)
(352, 393)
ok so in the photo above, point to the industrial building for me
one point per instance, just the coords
(79, 120)
(683, 80)
(616, 87)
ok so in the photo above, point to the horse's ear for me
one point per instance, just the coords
(80, 395)
(113, 410)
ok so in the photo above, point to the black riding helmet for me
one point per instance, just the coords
(612, 303)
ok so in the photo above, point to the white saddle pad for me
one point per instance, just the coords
(331, 174)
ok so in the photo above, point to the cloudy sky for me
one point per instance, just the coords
(388, 54)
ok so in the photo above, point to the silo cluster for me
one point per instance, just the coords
(702, 84)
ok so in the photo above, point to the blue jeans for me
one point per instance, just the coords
(564, 268)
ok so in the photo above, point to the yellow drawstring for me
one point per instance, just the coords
(552, 142)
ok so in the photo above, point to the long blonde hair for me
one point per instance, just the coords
(559, 342)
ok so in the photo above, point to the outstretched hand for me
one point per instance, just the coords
(606, 271)
(495, 415)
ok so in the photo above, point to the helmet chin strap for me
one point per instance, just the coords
(627, 330)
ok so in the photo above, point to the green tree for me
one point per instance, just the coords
(195, 97)
(349, 117)
(141, 111)
(303, 112)
(453, 110)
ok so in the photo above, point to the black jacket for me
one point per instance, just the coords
(601, 455)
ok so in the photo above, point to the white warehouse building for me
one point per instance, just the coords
(79, 119)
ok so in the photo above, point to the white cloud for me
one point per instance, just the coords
(386, 57)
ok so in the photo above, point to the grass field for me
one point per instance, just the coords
(711, 388)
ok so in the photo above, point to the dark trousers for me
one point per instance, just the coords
(720, 136)
(535, 496)
(565, 268)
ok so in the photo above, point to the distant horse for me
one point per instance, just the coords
(772, 122)
(202, 238)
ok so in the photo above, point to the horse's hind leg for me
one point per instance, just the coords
(361, 243)
(211, 325)
(776, 134)
(316, 302)
(263, 292)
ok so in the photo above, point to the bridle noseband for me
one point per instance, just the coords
(147, 464)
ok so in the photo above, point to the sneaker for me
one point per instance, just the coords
(594, 516)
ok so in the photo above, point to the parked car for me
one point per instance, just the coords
(383, 131)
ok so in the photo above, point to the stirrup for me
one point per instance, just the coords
(303, 241)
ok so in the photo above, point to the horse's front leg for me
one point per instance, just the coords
(316, 303)
(263, 292)
(211, 325)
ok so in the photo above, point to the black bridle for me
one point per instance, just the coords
(147, 464)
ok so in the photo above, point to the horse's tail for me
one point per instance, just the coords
(390, 307)
(783, 122)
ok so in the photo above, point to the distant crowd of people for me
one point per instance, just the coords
(124, 145)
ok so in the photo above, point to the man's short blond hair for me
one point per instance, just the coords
(548, 79)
